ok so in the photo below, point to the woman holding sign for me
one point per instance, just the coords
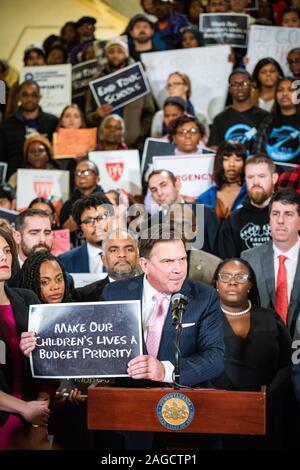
(16, 383)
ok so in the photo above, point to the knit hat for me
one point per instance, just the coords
(139, 17)
(177, 101)
(85, 20)
(37, 138)
(117, 42)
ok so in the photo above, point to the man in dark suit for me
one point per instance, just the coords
(163, 260)
(119, 257)
(277, 263)
(93, 215)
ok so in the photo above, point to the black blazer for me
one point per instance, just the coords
(20, 300)
(91, 292)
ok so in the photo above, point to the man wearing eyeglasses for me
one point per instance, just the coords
(93, 214)
(241, 120)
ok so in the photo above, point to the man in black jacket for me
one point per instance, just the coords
(26, 119)
(248, 226)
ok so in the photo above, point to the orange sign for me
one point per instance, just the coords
(72, 143)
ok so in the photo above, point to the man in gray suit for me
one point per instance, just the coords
(276, 263)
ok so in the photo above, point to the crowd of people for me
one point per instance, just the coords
(233, 250)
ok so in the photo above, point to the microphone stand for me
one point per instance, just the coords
(178, 324)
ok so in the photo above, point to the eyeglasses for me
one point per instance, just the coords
(239, 84)
(227, 277)
(170, 85)
(87, 172)
(90, 221)
(192, 131)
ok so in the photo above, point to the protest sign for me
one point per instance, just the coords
(121, 87)
(8, 214)
(83, 279)
(207, 67)
(154, 147)
(119, 169)
(82, 74)
(60, 241)
(85, 339)
(271, 41)
(50, 184)
(72, 143)
(193, 171)
(3, 171)
(225, 28)
(55, 85)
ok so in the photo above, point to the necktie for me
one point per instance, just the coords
(155, 325)
(282, 289)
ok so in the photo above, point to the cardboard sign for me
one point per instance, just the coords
(55, 82)
(207, 67)
(72, 143)
(194, 171)
(85, 339)
(60, 241)
(225, 28)
(119, 169)
(271, 41)
(82, 74)
(121, 87)
(51, 184)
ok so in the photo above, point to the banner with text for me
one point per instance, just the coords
(120, 88)
(271, 41)
(82, 74)
(119, 169)
(226, 28)
(55, 82)
(207, 67)
(193, 171)
(50, 184)
(85, 339)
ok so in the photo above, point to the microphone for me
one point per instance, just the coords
(178, 301)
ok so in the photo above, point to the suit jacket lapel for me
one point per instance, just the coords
(267, 264)
(293, 305)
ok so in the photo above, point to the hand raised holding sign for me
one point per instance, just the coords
(104, 110)
(28, 342)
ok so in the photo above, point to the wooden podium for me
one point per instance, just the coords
(215, 411)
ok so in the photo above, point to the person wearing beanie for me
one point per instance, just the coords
(137, 115)
(140, 33)
(192, 37)
(37, 153)
(85, 27)
(174, 107)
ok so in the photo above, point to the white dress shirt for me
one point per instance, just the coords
(95, 261)
(290, 264)
(148, 305)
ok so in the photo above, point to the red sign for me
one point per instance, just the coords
(115, 170)
(43, 188)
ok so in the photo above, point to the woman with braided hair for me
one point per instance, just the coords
(44, 274)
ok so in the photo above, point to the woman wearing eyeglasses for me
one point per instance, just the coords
(187, 133)
(257, 343)
(256, 340)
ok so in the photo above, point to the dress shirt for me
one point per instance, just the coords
(148, 305)
(290, 264)
(95, 261)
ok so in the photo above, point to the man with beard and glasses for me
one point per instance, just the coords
(249, 226)
(32, 233)
(119, 257)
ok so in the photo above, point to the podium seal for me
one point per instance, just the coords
(175, 411)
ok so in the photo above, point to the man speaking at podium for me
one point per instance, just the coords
(163, 260)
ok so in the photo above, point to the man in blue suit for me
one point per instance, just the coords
(163, 260)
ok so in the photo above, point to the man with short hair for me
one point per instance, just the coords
(93, 214)
(27, 118)
(140, 32)
(120, 259)
(239, 121)
(163, 260)
(217, 6)
(277, 263)
(248, 226)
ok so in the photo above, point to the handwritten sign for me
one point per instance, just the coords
(224, 28)
(72, 143)
(120, 88)
(85, 339)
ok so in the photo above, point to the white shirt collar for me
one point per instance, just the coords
(93, 250)
(149, 291)
(291, 254)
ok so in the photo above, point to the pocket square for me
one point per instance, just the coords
(186, 325)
